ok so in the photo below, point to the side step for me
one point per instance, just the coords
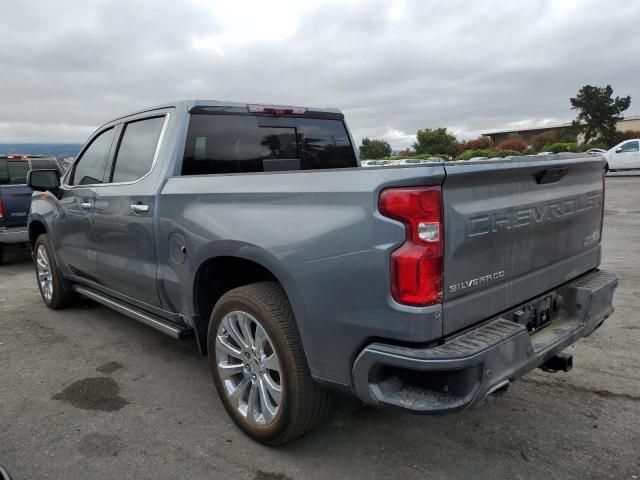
(176, 331)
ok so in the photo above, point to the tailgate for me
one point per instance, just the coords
(515, 229)
(16, 201)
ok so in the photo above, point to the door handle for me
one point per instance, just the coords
(86, 205)
(139, 208)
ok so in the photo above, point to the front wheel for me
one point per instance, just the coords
(49, 277)
(259, 368)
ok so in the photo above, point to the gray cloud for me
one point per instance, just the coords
(393, 67)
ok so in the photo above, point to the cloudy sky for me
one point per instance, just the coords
(392, 67)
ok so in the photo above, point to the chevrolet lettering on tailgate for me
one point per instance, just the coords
(533, 215)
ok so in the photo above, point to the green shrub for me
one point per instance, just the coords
(468, 154)
(595, 144)
(505, 153)
(529, 151)
(562, 147)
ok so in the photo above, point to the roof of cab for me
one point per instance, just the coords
(190, 104)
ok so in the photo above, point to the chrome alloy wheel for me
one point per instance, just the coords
(249, 368)
(45, 277)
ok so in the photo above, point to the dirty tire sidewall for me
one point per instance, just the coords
(276, 318)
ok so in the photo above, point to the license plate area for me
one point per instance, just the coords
(536, 314)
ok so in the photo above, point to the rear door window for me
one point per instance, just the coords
(245, 143)
(17, 171)
(325, 144)
(137, 149)
(89, 169)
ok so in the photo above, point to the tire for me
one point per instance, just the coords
(52, 291)
(1, 254)
(302, 402)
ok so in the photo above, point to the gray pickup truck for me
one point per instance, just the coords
(15, 196)
(254, 229)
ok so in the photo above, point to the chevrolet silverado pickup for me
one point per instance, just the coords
(253, 228)
(15, 196)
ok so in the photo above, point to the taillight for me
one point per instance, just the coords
(1, 209)
(416, 267)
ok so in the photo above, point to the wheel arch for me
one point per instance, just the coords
(218, 274)
(36, 228)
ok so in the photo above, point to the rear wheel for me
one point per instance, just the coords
(48, 276)
(259, 367)
(1, 254)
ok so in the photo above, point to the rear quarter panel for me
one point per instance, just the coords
(319, 232)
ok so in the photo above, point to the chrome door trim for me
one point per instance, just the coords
(156, 154)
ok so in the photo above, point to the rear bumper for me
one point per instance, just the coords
(465, 369)
(14, 234)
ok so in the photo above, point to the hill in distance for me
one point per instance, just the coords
(58, 150)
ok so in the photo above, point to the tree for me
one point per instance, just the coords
(376, 148)
(436, 140)
(480, 143)
(598, 111)
(406, 153)
(540, 140)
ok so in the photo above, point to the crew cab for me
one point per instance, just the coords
(253, 228)
(15, 196)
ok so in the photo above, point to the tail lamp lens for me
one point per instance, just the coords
(416, 267)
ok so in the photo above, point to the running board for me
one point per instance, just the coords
(148, 319)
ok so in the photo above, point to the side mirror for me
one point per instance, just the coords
(43, 180)
(618, 150)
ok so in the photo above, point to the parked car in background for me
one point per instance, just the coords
(624, 156)
(15, 196)
(375, 163)
(596, 151)
(417, 161)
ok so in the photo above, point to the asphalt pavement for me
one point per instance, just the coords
(87, 393)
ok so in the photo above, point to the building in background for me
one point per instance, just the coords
(527, 134)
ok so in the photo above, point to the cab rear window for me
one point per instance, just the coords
(17, 171)
(14, 170)
(219, 144)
